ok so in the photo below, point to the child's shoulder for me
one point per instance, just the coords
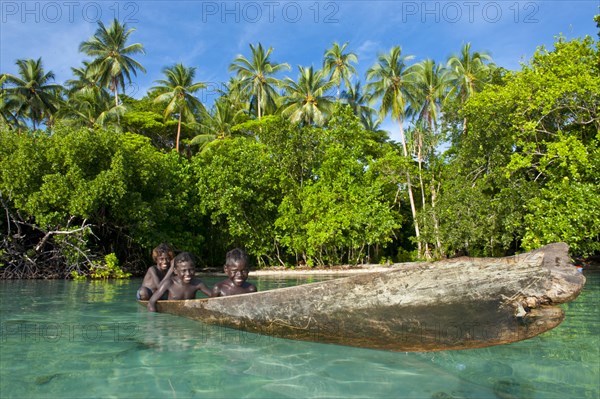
(151, 269)
(223, 283)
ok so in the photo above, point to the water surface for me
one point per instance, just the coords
(66, 339)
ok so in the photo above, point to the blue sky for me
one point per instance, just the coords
(209, 34)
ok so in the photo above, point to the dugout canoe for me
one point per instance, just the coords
(458, 303)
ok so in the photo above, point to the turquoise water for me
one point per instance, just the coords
(65, 339)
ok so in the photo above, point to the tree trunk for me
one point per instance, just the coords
(116, 90)
(178, 133)
(258, 105)
(427, 252)
(436, 224)
(410, 193)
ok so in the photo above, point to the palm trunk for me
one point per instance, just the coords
(410, 194)
(420, 161)
(464, 100)
(436, 224)
(178, 133)
(258, 105)
(116, 100)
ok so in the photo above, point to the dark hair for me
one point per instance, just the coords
(184, 257)
(162, 249)
(236, 255)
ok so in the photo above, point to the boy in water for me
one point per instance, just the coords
(182, 285)
(162, 256)
(236, 268)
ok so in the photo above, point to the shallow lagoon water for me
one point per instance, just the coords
(66, 339)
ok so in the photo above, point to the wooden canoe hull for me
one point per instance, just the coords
(453, 304)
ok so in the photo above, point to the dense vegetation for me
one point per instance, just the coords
(297, 171)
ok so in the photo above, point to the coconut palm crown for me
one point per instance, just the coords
(306, 100)
(339, 66)
(30, 93)
(176, 91)
(468, 70)
(112, 64)
(256, 76)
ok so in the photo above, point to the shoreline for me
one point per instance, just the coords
(590, 264)
(334, 271)
(305, 271)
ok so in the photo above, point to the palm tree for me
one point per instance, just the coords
(305, 100)
(431, 84)
(30, 93)
(112, 64)
(359, 101)
(373, 127)
(235, 96)
(8, 107)
(217, 124)
(390, 80)
(92, 108)
(84, 80)
(177, 92)
(468, 73)
(256, 76)
(338, 65)
(430, 90)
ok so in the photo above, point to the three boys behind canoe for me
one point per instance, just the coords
(179, 282)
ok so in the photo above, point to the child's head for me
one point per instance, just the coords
(185, 267)
(236, 266)
(162, 256)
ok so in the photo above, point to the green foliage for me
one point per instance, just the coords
(339, 207)
(238, 190)
(144, 117)
(109, 270)
(299, 194)
(127, 189)
(522, 170)
(565, 211)
(531, 155)
(478, 220)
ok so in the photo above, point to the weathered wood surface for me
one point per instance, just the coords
(452, 304)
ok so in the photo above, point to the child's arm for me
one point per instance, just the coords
(202, 287)
(167, 277)
(216, 291)
(158, 294)
(170, 271)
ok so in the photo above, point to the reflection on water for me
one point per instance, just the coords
(64, 339)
